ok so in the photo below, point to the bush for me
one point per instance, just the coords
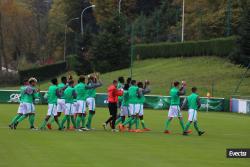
(221, 47)
(44, 72)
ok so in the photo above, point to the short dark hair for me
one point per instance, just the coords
(54, 81)
(114, 81)
(25, 81)
(121, 79)
(129, 80)
(194, 89)
(133, 82)
(81, 78)
(176, 83)
(64, 79)
(140, 84)
(126, 87)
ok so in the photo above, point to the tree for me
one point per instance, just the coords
(242, 52)
(110, 46)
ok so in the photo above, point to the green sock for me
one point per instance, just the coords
(78, 121)
(58, 123)
(167, 124)
(127, 121)
(133, 121)
(118, 121)
(43, 124)
(136, 123)
(68, 121)
(22, 118)
(182, 124)
(15, 119)
(64, 120)
(89, 120)
(143, 124)
(32, 120)
(52, 121)
(187, 126)
(196, 126)
(73, 121)
(83, 121)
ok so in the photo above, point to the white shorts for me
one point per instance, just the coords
(21, 109)
(52, 110)
(124, 111)
(30, 108)
(91, 103)
(75, 108)
(134, 109)
(61, 106)
(69, 109)
(81, 109)
(192, 115)
(174, 111)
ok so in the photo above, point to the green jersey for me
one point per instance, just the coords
(125, 98)
(192, 101)
(60, 87)
(81, 91)
(91, 92)
(141, 99)
(68, 93)
(52, 94)
(133, 94)
(22, 91)
(174, 97)
(29, 94)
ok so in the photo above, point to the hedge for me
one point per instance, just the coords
(44, 72)
(221, 47)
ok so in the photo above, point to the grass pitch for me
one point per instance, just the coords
(99, 148)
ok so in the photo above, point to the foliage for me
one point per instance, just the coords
(221, 47)
(44, 72)
(110, 47)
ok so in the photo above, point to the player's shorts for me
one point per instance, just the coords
(52, 110)
(141, 111)
(124, 111)
(192, 115)
(61, 106)
(30, 108)
(174, 111)
(69, 109)
(134, 109)
(21, 109)
(75, 108)
(91, 103)
(81, 107)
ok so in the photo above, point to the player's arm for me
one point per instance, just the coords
(198, 102)
(118, 92)
(94, 85)
(29, 90)
(182, 90)
(74, 94)
(58, 93)
(184, 103)
(146, 88)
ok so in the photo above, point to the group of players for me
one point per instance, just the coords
(73, 99)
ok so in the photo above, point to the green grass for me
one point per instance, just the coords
(99, 148)
(202, 72)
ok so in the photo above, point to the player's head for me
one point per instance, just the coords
(129, 80)
(115, 82)
(140, 84)
(121, 79)
(90, 78)
(32, 81)
(25, 82)
(54, 81)
(126, 86)
(81, 79)
(194, 89)
(133, 82)
(64, 79)
(176, 83)
(71, 83)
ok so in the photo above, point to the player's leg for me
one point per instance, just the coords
(21, 110)
(171, 115)
(114, 115)
(32, 117)
(49, 114)
(57, 122)
(91, 105)
(179, 115)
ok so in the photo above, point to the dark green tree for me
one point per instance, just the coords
(110, 47)
(242, 53)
